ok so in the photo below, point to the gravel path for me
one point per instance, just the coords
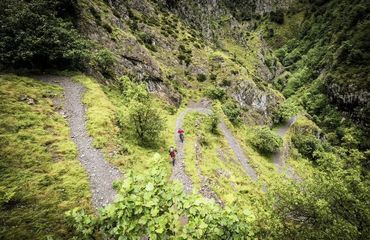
(101, 174)
(178, 171)
(279, 157)
(238, 151)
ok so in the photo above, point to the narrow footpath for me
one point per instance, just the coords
(101, 173)
(280, 156)
(178, 171)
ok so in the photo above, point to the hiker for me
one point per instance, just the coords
(173, 153)
(181, 134)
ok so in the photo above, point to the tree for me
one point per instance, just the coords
(148, 205)
(331, 204)
(40, 34)
(146, 121)
(266, 141)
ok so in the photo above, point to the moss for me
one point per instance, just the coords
(39, 163)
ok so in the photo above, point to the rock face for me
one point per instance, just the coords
(171, 44)
(250, 97)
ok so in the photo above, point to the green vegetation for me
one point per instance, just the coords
(40, 176)
(40, 34)
(101, 115)
(287, 110)
(329, 59)
(149, 206)
(146, 122)
(232, 111)
(106, 61)
(266, 141)
(155, 58)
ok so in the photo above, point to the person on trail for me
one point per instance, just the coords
(173, 153)
(181, 132)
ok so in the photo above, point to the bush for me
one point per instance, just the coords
(201, 77)
(40, 34)
(145, 121)
(287, 110)
(215, 120)
(266, 141)
(232, 111)
(106, 62)
(307, 145)
(277, 17)
(216, 93)
(148, 206)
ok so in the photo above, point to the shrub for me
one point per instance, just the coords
(232, 111)
(287, 110)
(148, 206)
(307, 145)
(106, 62)
(266, 141)
(201, 77)
(277, 17)
(145, 121)
(216, 93)
(215, 120)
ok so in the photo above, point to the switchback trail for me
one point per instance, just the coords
(178, 171)
(101, 174)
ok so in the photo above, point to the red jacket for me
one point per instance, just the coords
(180, 131)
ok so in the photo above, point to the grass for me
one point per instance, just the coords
(119, 146)
(40, 176)
(101, 114)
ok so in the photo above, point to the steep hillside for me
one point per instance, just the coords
(272, 95)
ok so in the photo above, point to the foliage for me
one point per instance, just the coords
(40, 176)
(106, 62)
(307, 145)
(215, 120)
(331, 47)
(185, 55)
(216, 93)
(201, 77)
(143, 118)
(148, 40)
(40, 34)
(331, 204)
(266, 141)
(147, 205)
(287, 110)
(146, 121)
(232, 111)
(277, 17)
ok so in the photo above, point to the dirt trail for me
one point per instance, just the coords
(280, 156)
(178, 171)
(101, 174)
(238, 151)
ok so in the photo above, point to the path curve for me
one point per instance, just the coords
(178, 171)
(101, 173)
